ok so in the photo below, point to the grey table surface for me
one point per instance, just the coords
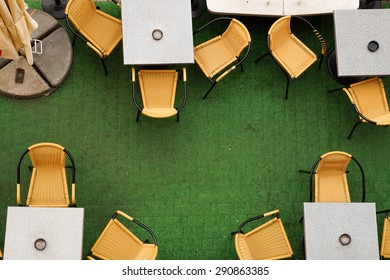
(354, 29)
(173, 17)
(324, 223)
(61, 228)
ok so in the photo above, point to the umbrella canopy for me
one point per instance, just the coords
(16, 26)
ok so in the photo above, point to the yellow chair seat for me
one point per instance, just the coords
(117, 242)
(220, 55)
(213, 56)
(330, 178)
(48, 187)
(159, 112)
(266, 242)
(48, 183)
(103, 30)
(370, 101)
(385, 246)
(158, 91)
(381, 120)
(294, 56)
(332, 187)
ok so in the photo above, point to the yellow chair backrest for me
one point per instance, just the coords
(80, 11)
(237, 37)
(279, 32)
(369, 96)
(333, 162)
(47, 154)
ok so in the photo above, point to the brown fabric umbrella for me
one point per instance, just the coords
(16, 26)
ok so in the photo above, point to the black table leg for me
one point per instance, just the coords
(56, 8)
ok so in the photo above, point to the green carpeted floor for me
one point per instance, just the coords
(231, 156)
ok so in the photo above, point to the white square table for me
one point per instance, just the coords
(317, 7)
(157, 32)
(278, 7)
(326, 223)
(245, 7)
(59, 231)
(354, 30)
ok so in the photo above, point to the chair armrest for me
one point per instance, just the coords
(73, 199)
(211, 22)
(363, 178)
(118, 212)
(117, 2)
(133, 74)
(73, 194)
(225, 73)
(185, 90)
(316, 33)
(312, 172)
(76, 33)
(275, 212)
(18, 194)
(18, 177)
(356, 108)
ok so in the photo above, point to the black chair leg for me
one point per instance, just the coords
(104, 66)
(287, 87)
(321, 59)
(207, 93)
(353, 129)
(178, 117)
(138, 114)
(74, 40)
(304, 171)
(333, 90)
(264, 55)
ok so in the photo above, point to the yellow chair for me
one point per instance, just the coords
(117, 242)
(48, 184)
(385, 245)
(330, 178)
(1, 255)
(100, 31)
(267, 242)
(291, 54)
(221, 55)
(158, 90)
(370, 102)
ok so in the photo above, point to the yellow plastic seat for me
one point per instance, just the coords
(48, 184)
(268, 241)
(370, 102)
(100, 31)
(1, 255)
(330, 178)
(117, 242)
(221, 55)
(291, 54)
(385, 244)
(158, 90)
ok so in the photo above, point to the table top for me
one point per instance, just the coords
(279, 7)
(245, 7)
(60, 228)
(354, 29)
(314, 7)
(325, 222)
(141, 18)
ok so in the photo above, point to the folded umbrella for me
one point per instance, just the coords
(19, 25)
(7, 48)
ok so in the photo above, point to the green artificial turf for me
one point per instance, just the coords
(232, 156)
